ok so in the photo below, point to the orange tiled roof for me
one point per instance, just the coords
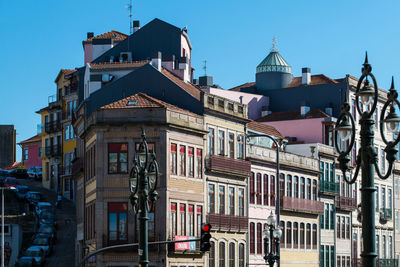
(67, 71)
(35, 138)
(188, 87)
(264, 128)
(315, 80)
(142, 100)
(115, 35)
(245, 85)
(293, 115)
(112, 65)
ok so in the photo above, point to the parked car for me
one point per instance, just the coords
(19, 173)
(35, 173)
(48, 218)
(10, 182)
(35, 253)
(43, 206)
(42, 235)
(47, 230)
(25, 262)
(21, 191)
(43, 243)
(33, 197)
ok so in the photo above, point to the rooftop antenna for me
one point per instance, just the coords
(274, 45)
(205, 67)
(130, 17)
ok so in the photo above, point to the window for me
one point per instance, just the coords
(182, 212)
(390, 199)
(173, 220)
(252, 193)
(377, 198)
(221, 199)
(221, 143)
(333, 255)
(308, 236)
(211, 259)
(281, 184)
(259, 238)
(199, 162)
(26, 153)
(384, 247)
(221, 103)
(199, 219)
(40, 151)
(309, 188)
(232, 255)
(272, 190)
(321, 256)
(173, 159)
(211, 198)
(289, 235)
(118, 158)
(241, 202)
(343, 227)
(338, 226)
(182, 157)
(240, 145)
(191, 161)
(241, 255)
(390, 247)
(211, 141)
(252, 237)
(301, 235)
(332, 217)
(222, 254)
(295, 235)
(289, 185)
(326, 216)
(302, 188)
(296, 187)
(231, 201)
(282, 226)
(314, 190)
(117, 221)
(384, 197)
(314, 236)
(191, 220)
(231, 146)
(347, 228)
(377, 245)
(265, 190)
(259, 196)
(383, 160)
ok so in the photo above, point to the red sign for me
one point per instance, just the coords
(182, 245)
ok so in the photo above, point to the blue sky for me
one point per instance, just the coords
(41, 37)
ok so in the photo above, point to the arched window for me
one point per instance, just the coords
(259, 196)
(301, 235)
(295, 235)
(281, 184)
(265, 190)
(314, 233)
(211, 259)
(252, 237)
(289, 185)
(309, 188)
(282, 225)
(259, 238)
(232, 255)
(272, 191)
(308, 236)
(314, 190)
(252, 188)
(288, 235)
(302, 188)
(296, 187)
(241, 255)
(221, 254)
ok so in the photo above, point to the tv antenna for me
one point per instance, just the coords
(205, 67)
(274, 45)
(130, 17)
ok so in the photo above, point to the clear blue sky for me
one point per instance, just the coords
(38, 38)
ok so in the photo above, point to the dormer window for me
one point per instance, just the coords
(210, 101)
(221, 103)
(126, 57)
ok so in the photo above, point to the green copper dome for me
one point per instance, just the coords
(274, 62)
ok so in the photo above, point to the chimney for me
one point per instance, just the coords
(168, 62)
(306, 76)
(136, 25)
(90, 35)
(156, 60)
(183, 62)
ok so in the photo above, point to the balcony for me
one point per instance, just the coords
(53, 151)
(302, 205)
(54, 103)
(346, 203)
(53, 126)
(385, 214)
(329, 188)
(77, 166)
(379, 262)
(47, 151)
(67, 170)
(228, 223)
(228, 166)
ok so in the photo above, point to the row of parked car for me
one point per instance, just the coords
(45, 236)
(32, 172)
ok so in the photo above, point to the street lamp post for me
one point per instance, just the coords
(277, 201)
(272, 238)
(143, 179)
(2, 223)
(366, 156)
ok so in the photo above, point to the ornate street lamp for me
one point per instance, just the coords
(367, 158)
(272, 238)
(143, 179)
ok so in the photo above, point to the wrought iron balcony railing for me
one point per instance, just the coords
(229, 223)
(346, 203)
(225, 165)
(302, 205)
(329, 188)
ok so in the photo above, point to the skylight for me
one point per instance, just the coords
(132, 103)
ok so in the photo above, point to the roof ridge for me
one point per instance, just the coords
(116, 63)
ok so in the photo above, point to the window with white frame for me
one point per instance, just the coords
(231, 145)
(26, 154)
(221, 143)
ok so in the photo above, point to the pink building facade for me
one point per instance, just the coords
(31, 152)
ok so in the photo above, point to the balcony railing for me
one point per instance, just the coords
(379, 262)
(52, 151)
(53, 126)
(385, 214)
(225, 165)
(67, 170)
(302, 205)
(329, 188)
(228, 223)
(346, 203)
(77, 166)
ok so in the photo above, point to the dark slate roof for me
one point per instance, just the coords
(293, 115)
(264, 128)
(188, 87)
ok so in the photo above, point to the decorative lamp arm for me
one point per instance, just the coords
(391, 152)
(343, 168)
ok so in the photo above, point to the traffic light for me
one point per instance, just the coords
(205, 237)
